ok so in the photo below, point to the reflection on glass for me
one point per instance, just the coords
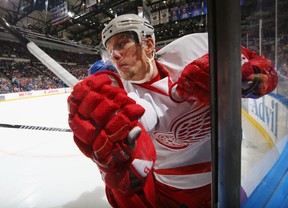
(265, 120)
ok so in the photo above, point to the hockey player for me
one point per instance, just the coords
(100, 65)
(169, 164)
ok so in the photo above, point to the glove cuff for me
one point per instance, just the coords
(130, 177)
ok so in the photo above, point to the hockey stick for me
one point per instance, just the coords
(42, 128)
(44, 58)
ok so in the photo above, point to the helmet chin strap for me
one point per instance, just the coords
(148, 76)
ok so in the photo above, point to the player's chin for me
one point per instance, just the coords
(124, 77)
(128, 76)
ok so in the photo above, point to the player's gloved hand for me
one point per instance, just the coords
(258, 75)
(193, 84)
(101, 115)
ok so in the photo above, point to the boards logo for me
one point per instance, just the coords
(267, 112)
(189, 128)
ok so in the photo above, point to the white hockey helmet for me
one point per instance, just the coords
(126, 23)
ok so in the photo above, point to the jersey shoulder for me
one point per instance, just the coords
(177, 54)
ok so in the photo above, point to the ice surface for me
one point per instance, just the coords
(44, 168)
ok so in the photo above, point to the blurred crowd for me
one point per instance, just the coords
(20, 71)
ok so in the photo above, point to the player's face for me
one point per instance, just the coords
(127, 56)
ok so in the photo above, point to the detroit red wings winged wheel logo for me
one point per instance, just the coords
(187, 129)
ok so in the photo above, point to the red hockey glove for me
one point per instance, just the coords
(258, 75)
(132, 175)
(193, 84)
(101, 115)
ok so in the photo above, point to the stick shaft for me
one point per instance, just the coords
(44, 58)
(41, 128)
(51, 64)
